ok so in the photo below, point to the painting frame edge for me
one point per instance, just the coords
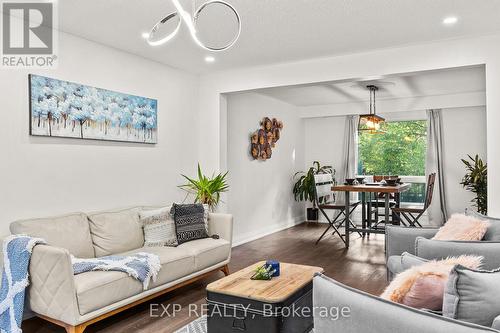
(30, 75)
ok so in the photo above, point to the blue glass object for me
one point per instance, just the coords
(276, 266)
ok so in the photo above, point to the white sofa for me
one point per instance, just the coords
(76, 301)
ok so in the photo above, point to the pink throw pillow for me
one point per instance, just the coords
(462, 228)
(422, 286)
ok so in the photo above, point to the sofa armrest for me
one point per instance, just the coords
(436, 249)
(401, 239)
(222, 225)
(496, 323)
(52, 291)
(338, 308)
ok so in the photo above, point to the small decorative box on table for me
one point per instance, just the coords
(283, 304)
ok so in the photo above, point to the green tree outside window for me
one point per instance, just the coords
(400, 151)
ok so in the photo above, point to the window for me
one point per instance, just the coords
(400, 151)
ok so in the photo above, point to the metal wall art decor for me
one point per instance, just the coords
(160, 34)
(66, 109)
(264, 139)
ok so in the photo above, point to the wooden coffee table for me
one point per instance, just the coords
(283, 304)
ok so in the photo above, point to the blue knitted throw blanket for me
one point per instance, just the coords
(141, 266)
(16, 258)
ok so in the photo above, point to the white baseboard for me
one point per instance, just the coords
(267, 231)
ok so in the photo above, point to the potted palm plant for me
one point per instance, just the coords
(304, 187)
(207, 190)
(476, 181)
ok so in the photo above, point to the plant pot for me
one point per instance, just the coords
(312, 214)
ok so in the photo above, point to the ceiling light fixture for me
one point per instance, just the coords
(371, 122)
(209, 59)
(450, 20)
(191, 19)
(145, 35)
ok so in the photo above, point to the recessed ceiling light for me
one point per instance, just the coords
(450, 20)
(145, 35)
(209, 59)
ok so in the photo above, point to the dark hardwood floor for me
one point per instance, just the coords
(362, 267)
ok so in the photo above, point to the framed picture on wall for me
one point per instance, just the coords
(67, 109)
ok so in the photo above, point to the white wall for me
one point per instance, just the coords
(464, 132)
(324, 141)
(44, 176)
(373, 64)
(260, 197)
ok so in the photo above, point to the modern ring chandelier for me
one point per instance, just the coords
(191, 20)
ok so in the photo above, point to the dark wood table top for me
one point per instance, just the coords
(372, 188)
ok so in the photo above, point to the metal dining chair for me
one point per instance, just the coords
(325, 200)
(411, 215)
(374, 205)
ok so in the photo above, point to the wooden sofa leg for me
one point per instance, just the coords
(76, 329)
(225, 270)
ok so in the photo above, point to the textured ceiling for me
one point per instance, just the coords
(279, 30)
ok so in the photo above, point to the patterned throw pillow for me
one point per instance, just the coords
(159, 227)
(189, 222)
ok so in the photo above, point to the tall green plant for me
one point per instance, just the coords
(304, 187)
(476, 181)
(206, 190)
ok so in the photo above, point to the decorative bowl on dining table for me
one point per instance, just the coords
(360, 180)
(392, 182)
(350, 181)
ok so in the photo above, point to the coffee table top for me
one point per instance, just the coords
(292, 278)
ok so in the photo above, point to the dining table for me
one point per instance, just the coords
(385, 189)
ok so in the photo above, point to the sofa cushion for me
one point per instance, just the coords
(116, 232)
(394, 264)
(472, 296)
(70, 232)
(409, 260)
(434, 249)
(207, 251)
(493, 233)
(175, 263)
(98, 289)
(397, 264)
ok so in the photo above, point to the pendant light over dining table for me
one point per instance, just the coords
(371, 122)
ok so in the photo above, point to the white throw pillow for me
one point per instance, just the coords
(205, 216)
(159, 227)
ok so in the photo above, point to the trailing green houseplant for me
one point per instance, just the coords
(207, 190)
(304, 187)
(476, 181)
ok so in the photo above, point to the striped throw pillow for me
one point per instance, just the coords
(159, 227)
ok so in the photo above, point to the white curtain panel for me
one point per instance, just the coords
(350, 155)
(437, 212)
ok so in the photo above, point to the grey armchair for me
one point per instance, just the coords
(339, 308)
(417, 241)
(368, 313)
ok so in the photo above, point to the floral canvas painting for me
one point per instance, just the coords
(66, 109)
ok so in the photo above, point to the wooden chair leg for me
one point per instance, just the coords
(225, 270)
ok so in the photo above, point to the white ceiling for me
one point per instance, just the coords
(430, 83)
(279, 30)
